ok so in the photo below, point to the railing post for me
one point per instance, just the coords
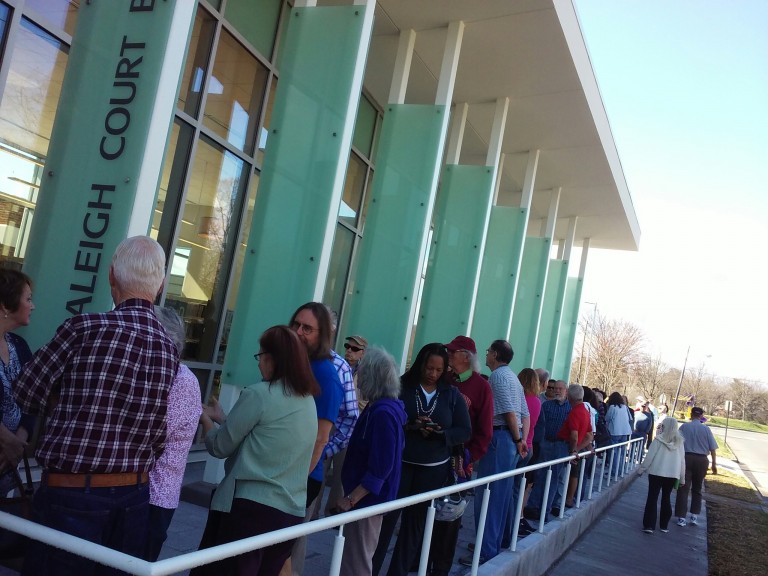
(602, 471)
(592, 477)
(580, 485)
(610, 467)
(566, 479)
(545, 500)
(480, 529)
(518, 512)
(338, 552)
(427, 541)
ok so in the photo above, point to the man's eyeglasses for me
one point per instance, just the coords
(303, 328)
(353, 348)
(258, 355)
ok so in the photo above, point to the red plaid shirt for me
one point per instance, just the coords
(112, 372)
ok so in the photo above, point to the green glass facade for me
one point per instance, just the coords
(272, 171)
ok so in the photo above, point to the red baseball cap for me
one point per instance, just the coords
(462, 343)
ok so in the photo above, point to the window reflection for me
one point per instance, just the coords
(353, 190)
(197, 62)
(205, 244)
(235, 94)
(62, 13)
(27, 111)
(338, 269)
(234, 285)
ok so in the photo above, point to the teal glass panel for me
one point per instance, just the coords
(561, 368)
(97, 146)
(499, 273)
(306, 151)
(398, 218)
(461, 219)
(362, 139)
(256, 21)
(528, 301)
(546, 341)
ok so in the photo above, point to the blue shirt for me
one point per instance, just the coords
(327, 402)
(555, 415)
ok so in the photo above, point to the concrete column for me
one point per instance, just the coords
(393, 249)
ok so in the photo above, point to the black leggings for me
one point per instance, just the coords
(658, 484)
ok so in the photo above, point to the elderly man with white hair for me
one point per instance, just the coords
(112, 372)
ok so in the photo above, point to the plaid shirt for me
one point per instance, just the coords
(112, 372)
(348, 411)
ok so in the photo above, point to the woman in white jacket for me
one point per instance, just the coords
(665, 463)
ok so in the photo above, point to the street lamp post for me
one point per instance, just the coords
(680, 383)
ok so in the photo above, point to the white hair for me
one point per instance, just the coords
(377, 375)
(138, 266)
(575, 392)
(174, 325)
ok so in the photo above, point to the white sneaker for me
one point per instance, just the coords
(682, 522)
(694, 519)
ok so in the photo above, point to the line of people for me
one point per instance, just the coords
(120, 413)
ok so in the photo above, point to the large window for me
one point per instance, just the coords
(208, 187)
(33, 61)
(352, 211)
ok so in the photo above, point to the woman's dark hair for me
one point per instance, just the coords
(412, 376)
(530, 381)
(615, 399)
(290, 360)
(325, 326)
(12, 284)
(589, 397)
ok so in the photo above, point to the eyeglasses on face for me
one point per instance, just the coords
(350, 347)
(303, 328)
(258, 355)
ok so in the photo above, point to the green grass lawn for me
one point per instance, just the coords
(722, 449)
(737, 424)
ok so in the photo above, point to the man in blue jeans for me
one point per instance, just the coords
(111, 373)
(510, 432)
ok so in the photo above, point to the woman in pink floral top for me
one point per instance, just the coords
(184, 409)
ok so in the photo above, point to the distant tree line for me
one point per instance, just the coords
(611, 355)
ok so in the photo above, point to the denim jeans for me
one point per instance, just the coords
(506, 541)
(113, 517)
(619, 453)
(550, 450)
(502, 456)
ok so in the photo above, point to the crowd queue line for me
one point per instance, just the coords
(119, 413)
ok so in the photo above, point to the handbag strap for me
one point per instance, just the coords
(30, 487)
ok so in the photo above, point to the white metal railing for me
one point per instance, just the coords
(139, 567)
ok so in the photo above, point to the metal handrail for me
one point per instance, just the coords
(140, 567)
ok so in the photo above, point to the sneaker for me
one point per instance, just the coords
(694, 519)
(665, 530)
(525, 525)
(555, 511)
(682, 522)
(648, 530)
(531, 513)
(467, 560)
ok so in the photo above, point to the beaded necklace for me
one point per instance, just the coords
(420, 411)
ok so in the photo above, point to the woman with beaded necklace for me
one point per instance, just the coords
(438, 420)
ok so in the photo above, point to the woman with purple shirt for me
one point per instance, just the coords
(184, 409)
(371, 472)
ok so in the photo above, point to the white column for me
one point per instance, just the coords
(402, 67)
(456, 133)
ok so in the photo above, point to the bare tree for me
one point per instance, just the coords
(613, 347)
(650, 376)
(744, 394)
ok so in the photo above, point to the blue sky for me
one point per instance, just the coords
(685, 86)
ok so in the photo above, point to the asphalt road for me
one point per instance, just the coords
(751, 449)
